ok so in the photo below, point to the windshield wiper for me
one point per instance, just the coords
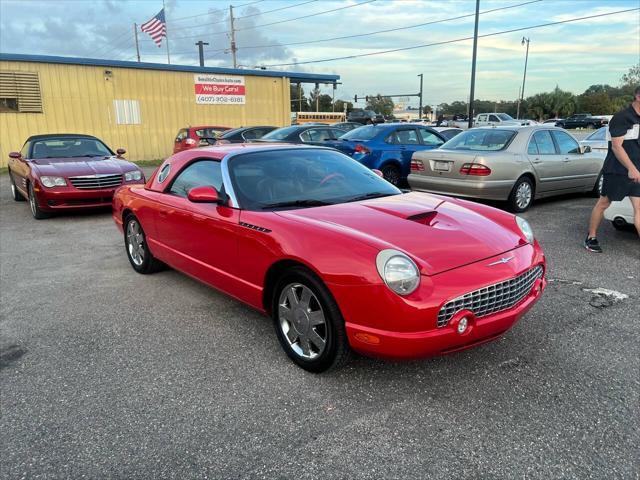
(369, 195)
(297, 203)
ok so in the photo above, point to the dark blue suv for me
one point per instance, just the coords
(388, 147)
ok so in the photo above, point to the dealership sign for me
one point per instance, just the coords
(219, 89)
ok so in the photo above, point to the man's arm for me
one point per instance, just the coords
(623, 158)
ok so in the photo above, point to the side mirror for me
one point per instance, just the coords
(15, 155)
(121, 151)
(377, 172)
(204, 194)
(586, 149)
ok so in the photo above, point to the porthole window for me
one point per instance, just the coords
(164, 173)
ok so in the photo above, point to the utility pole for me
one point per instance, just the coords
(473, 65)
(317, 96)
(420, 112)
(166, 32)
(233, 38)
(201, 45)
(524, 76)
(135, 35)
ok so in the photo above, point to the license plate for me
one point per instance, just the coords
(441, 166)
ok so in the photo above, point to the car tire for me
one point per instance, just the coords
(135, 244)
(36, 211)
(590, 126)
(15, 194)
(369, 122)
(308, 322)
(391, 173)
(619, 223)
(521, 196)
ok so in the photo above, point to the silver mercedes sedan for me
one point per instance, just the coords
(512, 164)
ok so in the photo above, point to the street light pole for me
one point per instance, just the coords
(524, 76)
(420, 111)
(473, 65)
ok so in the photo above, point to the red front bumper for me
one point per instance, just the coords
(382, 324)
(66, 198)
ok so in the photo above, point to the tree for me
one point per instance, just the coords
(631, 78)
(340, 106)
(324, 103)
(381, 105)
(296, 104)
(426, 110)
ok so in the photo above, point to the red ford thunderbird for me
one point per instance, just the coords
(341, 259)
(62, 172)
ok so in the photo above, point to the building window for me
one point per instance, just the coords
(20, 92)
(9, 105)
(127, 112)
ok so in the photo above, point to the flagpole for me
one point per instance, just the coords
(166, 30)
(135, 34)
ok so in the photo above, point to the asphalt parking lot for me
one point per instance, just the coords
(109, 374)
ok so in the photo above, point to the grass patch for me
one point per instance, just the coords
(149, 163)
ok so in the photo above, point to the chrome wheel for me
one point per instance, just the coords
(302, 321)
(135, 242)
(32, 202)
(523, 195)
(600, 184)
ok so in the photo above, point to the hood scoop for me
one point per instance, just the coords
(425, 218)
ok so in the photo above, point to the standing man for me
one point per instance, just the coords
(621, 171)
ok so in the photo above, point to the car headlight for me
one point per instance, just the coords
(398, 271)
(133, 176)
(525, 228)
(53, 182)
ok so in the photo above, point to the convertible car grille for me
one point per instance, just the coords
(94, 182)
(494, 298)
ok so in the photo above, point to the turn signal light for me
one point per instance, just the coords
(190, 141)
(475, 169)
(361, 149)
(417, 166)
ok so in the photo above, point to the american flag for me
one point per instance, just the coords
(156, 27)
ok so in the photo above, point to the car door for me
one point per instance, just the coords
(199, 238)
(546, 161)
(482, 120)
(19, 169)
(579, 171)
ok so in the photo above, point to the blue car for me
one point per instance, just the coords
(388, 147)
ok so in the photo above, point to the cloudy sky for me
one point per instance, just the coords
(572, 55)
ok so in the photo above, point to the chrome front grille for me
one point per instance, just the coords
(95, 182)
(494, 298)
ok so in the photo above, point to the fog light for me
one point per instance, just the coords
(462, 325)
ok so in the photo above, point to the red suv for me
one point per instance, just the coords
(190, 137)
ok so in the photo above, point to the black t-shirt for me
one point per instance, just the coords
(625, 123)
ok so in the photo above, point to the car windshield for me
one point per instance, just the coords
(362, 133)
(280, 133)
(504, 117)
(69, 147)
(210, 132)
(230, 133)
(481, 140)
(598, 135)
(298, 178)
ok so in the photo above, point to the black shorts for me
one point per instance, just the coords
(616, 187)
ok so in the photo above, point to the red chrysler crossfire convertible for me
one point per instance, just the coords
(341, 259)
(58, 172)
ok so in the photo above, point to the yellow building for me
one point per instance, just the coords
(137, 106)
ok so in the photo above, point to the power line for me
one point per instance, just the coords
(402, 49)
(214, 11)
(307, 16)
(306, 42)
(245, 16)
(281, 21)
(378, 31)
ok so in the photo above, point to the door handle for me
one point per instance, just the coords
(537, 160)
(566, 159)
